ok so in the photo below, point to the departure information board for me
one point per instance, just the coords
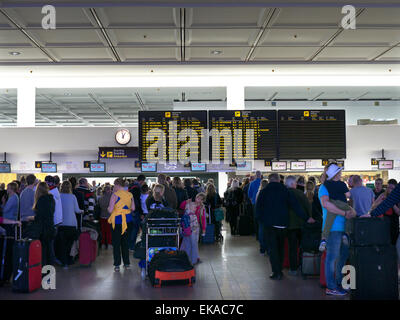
(167, 129)
(312, 134)
(263, 124)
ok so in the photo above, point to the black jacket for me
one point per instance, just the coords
(136, 193)
(181, 195)
(43, 226)
(272, 205)
(191, 192)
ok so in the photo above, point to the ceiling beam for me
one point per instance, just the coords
(271, 16)
(105, 35)
(65, 108)
(92, 96)
(397, 45)
(142, 105)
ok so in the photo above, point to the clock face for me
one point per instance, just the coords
(123, 136)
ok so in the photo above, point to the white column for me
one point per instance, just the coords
(235, 97)
(26, 105)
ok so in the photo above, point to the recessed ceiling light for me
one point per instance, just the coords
(14, 53)
(216, 52)
(68, 94)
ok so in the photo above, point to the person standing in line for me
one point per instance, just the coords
(67, 232)
(120, 208)
(196, 212)
(191, 192)
(233, 202)
(27, 199)
(58, 215)
(104, 202)
(296, 223)
(213, 201)
(272, 207)
(252, 193)
(181, 194)
(169, 193)
(43, 222)
(361, 197)
(301, 183)
(392, 214)
(10, 206)
(378, 190)
(134, 188)
(310, 188)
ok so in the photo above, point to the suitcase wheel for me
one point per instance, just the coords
(192, 280)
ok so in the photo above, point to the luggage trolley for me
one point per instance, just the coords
(161, 234)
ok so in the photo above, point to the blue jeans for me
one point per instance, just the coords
(337, 252)
(135, 230)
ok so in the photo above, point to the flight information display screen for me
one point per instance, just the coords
(163, 135)
(312, 134)
(256, 128)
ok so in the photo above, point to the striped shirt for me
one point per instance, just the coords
(388, 203)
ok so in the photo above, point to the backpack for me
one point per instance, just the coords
(185, 225)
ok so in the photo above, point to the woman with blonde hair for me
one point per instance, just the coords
(156, 200)
(310, 187)
(120, 208)
(43, 222)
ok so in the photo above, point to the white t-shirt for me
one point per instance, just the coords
(143, 198)
(58, 215)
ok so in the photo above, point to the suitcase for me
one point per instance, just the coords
(6, 253)
(370, 232)
(171, 266)
(310, 264)
(322, 278)
(245, 224)
(376, 273)
(210, 232)
(27, 265)
(286, 261)
(87, 249)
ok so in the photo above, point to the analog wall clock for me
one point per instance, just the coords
(123, 136)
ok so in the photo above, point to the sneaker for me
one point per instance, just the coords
(116, 269)
(322, 246)
(274, 276)
(127, 266)
(335, 292)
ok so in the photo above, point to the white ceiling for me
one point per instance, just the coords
(120, 106)
(174, 35)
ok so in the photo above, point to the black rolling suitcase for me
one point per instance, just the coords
(376, 273)
(6, 254)
(370, 232)
(311, 237)
(245, 224)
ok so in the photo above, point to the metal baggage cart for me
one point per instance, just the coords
(161, 227)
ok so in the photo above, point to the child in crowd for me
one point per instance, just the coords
(196, 212)
(338, 195)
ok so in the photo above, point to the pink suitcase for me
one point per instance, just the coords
(87, 249)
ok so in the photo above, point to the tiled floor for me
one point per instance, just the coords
(233, 270)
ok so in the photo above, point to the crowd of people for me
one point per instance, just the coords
(54, 212)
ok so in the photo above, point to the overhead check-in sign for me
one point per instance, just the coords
(118, 152)
(279, 166)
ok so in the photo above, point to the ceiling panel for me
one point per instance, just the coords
(138, 16)
(393, 54)
(87, 54)
(62, 37)
(380, 16)
(219, 16)
(349, 53)
(309, 16)
(367, 36)
(283, 53)
(32, 17)
(297, 37)
(145, 36)
(222, 36)
(144, 54)
(227, 54)
(26, 54)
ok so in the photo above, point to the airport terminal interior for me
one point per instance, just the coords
(248, 119)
